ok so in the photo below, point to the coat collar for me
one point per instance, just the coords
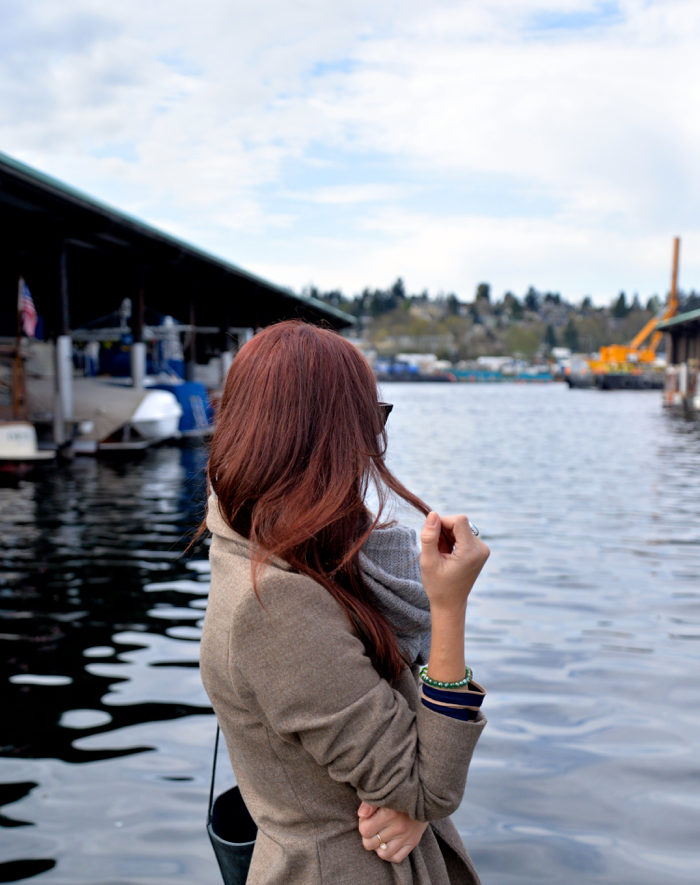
(217, 525)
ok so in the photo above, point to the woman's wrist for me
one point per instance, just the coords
(447, 663)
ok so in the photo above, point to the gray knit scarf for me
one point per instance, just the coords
(389, 562)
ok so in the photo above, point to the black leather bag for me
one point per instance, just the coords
(231, 829)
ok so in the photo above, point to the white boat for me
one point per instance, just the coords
(105, 416)
(114, 418)
(18, 446)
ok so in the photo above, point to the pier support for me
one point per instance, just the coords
(64, 375)
(226, 360)
(63, 359)
(138, 347)
(138, 364)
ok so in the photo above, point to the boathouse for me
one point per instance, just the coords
(82, 260)
(683, 350)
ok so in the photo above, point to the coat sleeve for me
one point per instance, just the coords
(309, 673)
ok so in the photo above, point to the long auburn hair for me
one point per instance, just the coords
(299, 438)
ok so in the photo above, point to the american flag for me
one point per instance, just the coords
(26, 309)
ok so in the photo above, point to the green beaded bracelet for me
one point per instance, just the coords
(462, 683)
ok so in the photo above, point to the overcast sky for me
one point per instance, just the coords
(344, 143)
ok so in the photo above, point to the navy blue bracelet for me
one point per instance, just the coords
(464, 698)
(452, 712)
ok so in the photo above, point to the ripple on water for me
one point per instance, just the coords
(84, 719)
(40, 679)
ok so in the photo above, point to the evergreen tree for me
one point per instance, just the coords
(550, 338)
(692, 301)
(619, 306)
(513, 306)
(452, 305)
(571, 335)
(483, 292)
(398, 290)
(532, 299)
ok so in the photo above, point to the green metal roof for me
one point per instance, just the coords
(79, 199)
(691, 316)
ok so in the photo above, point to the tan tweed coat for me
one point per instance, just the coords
(312, 729)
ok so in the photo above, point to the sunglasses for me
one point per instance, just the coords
(385, 409)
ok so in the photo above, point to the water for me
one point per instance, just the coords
(585, 629)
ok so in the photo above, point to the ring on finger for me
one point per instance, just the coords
(382, 843)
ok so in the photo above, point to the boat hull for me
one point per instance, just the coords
(19, 452)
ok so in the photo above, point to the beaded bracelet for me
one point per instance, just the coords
(436, 684)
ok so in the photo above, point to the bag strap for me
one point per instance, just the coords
(213, 773)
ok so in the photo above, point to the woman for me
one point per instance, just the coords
(316, 622)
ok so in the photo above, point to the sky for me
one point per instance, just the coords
(344, 144)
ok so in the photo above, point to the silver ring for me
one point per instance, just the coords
(475, 530)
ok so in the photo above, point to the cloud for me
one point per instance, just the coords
(527, 141)
(454, 254)
(344, 194)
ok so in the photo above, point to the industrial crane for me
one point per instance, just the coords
(626, 357)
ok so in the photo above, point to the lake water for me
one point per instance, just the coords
(584, 627)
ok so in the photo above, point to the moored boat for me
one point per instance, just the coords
(19, 450)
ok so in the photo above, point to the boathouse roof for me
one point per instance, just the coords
(690, 317)
(81, 258)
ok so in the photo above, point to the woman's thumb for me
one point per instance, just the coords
(430, 535)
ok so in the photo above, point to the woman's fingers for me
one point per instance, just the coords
(395, 849)
(391, 834)
(449, 574)
(383, 819)
(381, 837)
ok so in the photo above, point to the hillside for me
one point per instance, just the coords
(393, 321)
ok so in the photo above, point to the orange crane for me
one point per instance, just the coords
(624, 357)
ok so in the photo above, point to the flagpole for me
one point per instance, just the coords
(17, 364)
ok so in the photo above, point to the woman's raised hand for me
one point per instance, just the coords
(451, 560)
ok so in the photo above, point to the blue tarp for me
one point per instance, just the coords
(197, 412)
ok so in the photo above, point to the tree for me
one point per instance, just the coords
(483, 292)
(532, 299)
(653, 304)
(586, 304)
(570, 336)
(513, 306)
(398, 290)
(619, 306)
(452, 304)
(523, 339)
(550, 338)
(692, 301)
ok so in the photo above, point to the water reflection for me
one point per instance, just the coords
(88, 538)
(99, 659)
